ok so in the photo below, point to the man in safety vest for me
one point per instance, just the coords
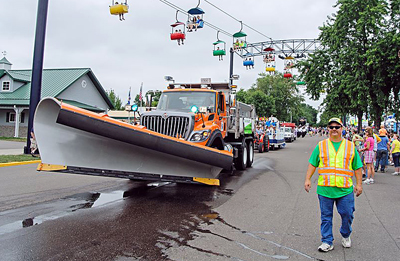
(337, 161)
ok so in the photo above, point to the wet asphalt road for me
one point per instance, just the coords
(262, 213)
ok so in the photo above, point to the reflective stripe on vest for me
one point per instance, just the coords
(335, 168)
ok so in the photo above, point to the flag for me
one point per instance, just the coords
(129, 96)
(140, 93)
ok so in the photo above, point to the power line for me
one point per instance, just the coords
(216, 28)
(237, 19)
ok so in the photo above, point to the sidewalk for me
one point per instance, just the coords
(11, 147)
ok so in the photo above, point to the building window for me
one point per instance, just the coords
(10, 117)
(6, 86)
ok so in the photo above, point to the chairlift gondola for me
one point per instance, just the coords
(179, 34)
(240, 39)
(288, 66)
(195, 18)
(119, 9)
(219, 48)
(269, 60)
(248, 62)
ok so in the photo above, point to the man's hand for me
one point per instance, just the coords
(307, 185)
(310, 171)
(358, 189)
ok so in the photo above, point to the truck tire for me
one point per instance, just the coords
(261, 146)
(250, 153)
(241, 161)
(266, 144)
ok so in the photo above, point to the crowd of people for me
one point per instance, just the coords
(377, 148)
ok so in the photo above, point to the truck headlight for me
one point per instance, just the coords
(200, 136)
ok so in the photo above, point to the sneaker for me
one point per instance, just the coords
(395, 173)
(346, 242)
(324, 247)
(366, 181)
(371, 181)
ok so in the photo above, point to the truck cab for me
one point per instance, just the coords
(289, 134)
(207, 115)
(195, 115)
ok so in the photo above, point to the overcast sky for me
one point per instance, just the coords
(83, 34)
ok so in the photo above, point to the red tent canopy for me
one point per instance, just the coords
(288, 124)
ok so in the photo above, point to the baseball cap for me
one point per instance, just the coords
(337, 120)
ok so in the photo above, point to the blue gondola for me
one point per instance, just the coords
(195, 18)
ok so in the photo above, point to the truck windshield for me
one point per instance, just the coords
(183, 101)
(288, 129)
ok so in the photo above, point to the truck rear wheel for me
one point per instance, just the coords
(250, 153)
(241, 161)
(261, 146)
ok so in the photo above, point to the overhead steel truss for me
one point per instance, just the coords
(296, 48)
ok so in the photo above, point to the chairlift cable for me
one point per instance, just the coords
(237, 20)
(186, 13)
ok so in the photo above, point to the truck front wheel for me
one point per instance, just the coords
(241, 161)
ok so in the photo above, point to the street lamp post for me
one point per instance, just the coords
(37, 67)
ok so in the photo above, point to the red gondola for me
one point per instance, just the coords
(179, 33)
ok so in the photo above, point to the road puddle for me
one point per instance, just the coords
(78, 202)
(138, 219)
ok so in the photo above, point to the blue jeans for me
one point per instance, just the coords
(345, 207)
(382, 159)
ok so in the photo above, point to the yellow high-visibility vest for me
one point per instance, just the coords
(335, 168)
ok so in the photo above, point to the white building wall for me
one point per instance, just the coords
(84, 93)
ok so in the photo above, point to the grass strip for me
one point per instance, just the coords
(17, 158)
(13, 139)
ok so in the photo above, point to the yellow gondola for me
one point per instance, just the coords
(117, 8)
(270, 69)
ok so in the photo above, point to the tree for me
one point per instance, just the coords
(264, 104)
(155, 98)
(284, 92)
(115, 100)
(357, 65)
(273, 95)
(308, 112)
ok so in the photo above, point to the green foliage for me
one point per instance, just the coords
(324, 118)
(155, 98)
(116, 101)
(264, 104)
(308, 112)
(273, 95)
(357, 66)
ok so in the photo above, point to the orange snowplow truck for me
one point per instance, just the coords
(207, 115)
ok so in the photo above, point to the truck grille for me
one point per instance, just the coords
(174, 126)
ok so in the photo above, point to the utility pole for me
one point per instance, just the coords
(231, 67)
(37, 67)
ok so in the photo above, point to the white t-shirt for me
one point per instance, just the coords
(375, 144)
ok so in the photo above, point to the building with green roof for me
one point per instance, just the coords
(76, 86)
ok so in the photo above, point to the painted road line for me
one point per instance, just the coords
(9, 164)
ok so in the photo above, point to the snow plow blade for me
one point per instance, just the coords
(78, 141)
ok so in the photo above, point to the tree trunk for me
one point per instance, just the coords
(359, 117)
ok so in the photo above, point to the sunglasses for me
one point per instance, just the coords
(334, 127)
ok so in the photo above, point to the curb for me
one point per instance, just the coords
(9, 164)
